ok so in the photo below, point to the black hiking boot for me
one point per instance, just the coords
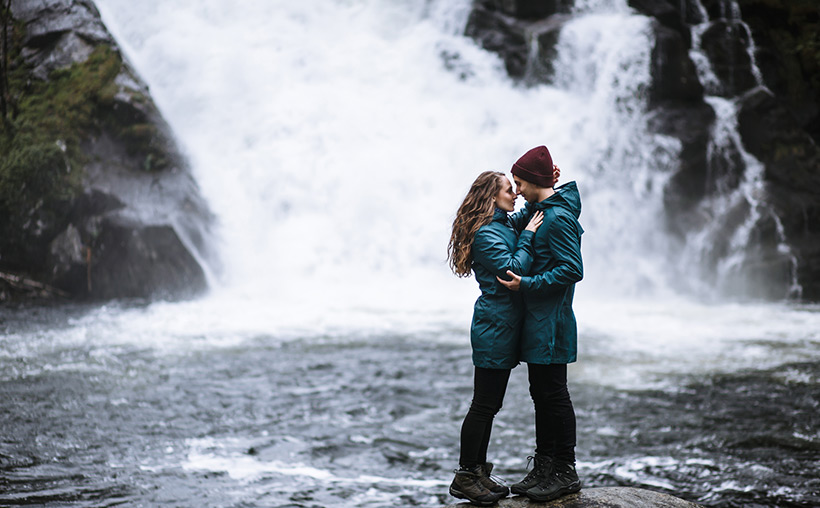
(561, 480)
(468, 485)
(488, 481)
(540, 469)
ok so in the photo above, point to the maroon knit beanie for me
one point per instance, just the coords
(535, 167)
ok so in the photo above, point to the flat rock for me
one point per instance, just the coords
(601, 497)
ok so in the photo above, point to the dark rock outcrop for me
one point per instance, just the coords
(691, 124)
(667, 14)
(501, 34)
(792, 161)
(529, 9)
(674, 77)
(602, 497)
(500, 31)
(726, 44)
(781, 127)
(776, 128)
(95, 196)
(787, 43)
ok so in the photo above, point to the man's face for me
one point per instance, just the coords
(525, 188)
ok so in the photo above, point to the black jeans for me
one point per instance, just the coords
(554, 414)
(489, 387)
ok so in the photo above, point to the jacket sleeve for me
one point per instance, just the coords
(490, 250)
(519, 219)
(564, 240)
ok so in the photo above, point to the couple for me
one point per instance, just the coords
(526, 264)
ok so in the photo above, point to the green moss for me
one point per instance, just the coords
(40, 141)
(68, 105)
(30, 173)
(139, 139)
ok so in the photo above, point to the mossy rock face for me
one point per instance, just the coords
(42, 160)
(787, 38)
(84, 147)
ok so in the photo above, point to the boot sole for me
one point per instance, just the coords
(462, 495)
(569, 489)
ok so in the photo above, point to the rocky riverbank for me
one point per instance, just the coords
(96, 198)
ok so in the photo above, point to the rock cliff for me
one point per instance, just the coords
(96, 199)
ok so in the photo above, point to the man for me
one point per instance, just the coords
(549, 335)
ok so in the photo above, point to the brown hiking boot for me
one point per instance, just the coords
(540, 469)
(468, 485)
(488, 481)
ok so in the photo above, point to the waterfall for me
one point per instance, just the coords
(335, 143)
(735, 205)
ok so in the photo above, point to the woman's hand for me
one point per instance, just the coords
(535, 221)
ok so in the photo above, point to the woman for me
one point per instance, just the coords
(483, 241)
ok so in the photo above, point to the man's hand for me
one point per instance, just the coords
(512, 285)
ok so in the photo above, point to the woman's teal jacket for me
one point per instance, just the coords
(498, 312)
(549, 334)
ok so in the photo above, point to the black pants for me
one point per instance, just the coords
(489, 386)
(554, 414)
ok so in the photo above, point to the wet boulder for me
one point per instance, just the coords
(502, 34)
(691, 124)
(674, 77)
(532, 9)
(667, 14)
(726, 45)
(59, 33)
(602, 497)
(527, 46)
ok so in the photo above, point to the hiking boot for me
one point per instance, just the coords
(540, 469)
(468, 485)
(488, 481)
(561, 480)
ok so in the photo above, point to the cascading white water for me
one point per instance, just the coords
(728, 198)
(334, 145)
(603, 65)
(334, 142)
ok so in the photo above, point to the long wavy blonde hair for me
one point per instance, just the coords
(475, 211)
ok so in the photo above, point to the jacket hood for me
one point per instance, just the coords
(566, 196)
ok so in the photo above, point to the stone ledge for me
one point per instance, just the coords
(601, 497)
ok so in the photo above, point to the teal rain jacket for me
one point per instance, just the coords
(549, 334)
(498, 312)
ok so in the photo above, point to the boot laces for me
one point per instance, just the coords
(539, 466)
(492, 477)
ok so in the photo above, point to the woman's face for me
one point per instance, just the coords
(505, 199)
